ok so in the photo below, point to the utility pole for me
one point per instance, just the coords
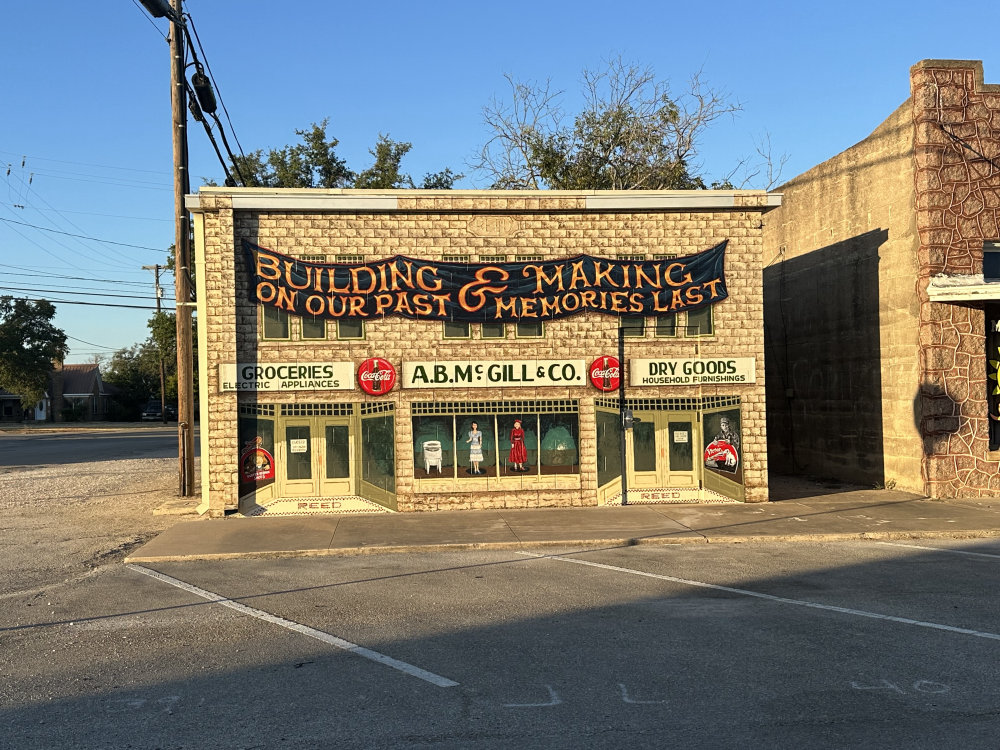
(163, 380)
(182, 259)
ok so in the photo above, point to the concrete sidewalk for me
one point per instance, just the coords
(793, 515)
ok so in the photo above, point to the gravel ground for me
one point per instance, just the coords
(58, 523)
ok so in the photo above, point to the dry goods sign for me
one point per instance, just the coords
(701, 371)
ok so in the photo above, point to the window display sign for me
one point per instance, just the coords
(491, 374)
(287, 376)
(256, 461)
(723, 443)
(485, 292)
(702, 371)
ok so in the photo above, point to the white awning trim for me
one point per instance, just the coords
(962, 288)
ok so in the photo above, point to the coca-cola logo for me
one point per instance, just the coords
(376, 376)
(605, 373)
(611, 372)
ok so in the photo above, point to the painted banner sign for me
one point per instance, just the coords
(287, 376)
(486, 292)
(490, 374)
(704, 371)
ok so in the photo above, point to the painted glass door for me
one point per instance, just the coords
(661, 450)
(297, 474)
(336, 474)
(317, 457)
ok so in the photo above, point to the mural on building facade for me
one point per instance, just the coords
(723, 443)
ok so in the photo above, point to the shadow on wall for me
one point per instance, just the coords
(937, 416)
(823, 364)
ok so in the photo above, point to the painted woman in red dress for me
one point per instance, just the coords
(518, 452)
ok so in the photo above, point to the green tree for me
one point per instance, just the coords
(313, 163)
(631, 133)
(135, 370)
(29, 343)
(385, 174)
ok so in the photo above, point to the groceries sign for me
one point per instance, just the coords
(490, 292)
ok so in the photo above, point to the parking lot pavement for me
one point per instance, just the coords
(853, 514)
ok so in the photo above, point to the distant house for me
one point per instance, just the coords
(12, 411)
(81, 391)
(75, 392)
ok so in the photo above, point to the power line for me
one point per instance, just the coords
(91, 343)
(141, 186)
(75, 278)
(216, 86)
(49, 277)
(90, 213)
(46, 250)
(83, 236)
(68, 291)
(123, 259)
(26, 157)
(95, 304)
(150, 19)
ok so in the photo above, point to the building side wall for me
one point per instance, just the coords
(446, 227)
(957, 150)
(841, 317)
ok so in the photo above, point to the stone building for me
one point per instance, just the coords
(881, 338)
(429, 350)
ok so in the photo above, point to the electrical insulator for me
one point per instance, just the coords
(203, 88)
(195, 108)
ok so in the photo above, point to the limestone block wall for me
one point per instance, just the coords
(841, 318)
(479, 225)
(956, 121)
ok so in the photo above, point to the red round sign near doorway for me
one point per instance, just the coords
(376, 376)
(605, 374)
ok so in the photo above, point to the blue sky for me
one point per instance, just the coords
(85, 132)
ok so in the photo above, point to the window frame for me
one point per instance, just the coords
(281, 315)
(341, 337)
(711, 323)
(444, 330)
(302, 329)
(539, 335)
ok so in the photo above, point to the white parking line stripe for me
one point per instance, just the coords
(319, 635)
(940, 549)
(772, 598)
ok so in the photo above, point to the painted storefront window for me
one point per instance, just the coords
(492, 445)
(378, 452)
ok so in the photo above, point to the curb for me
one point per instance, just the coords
(579, 543)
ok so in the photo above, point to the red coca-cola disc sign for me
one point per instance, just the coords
(376, 376)
(605, 373)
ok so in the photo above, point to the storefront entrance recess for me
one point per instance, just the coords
(316, 457)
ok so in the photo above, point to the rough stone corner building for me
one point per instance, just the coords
(429, 350)
(882, 329)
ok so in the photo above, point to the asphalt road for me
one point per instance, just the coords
(68, 446)
(834, 645)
